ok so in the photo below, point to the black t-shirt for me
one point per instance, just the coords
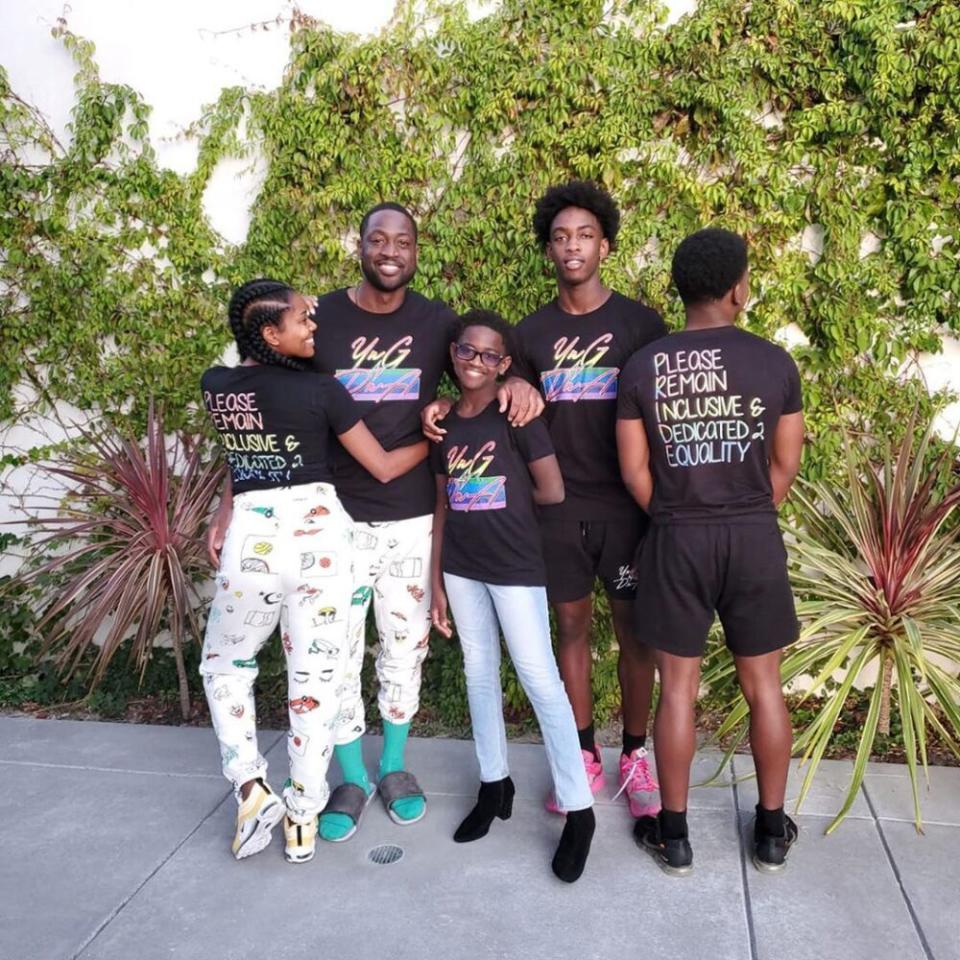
(710, 401)
(391, 363)
(275, 423)
(491, 532)
(575, 360)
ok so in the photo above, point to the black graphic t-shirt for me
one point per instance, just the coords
(491, 532)
(575, 360)
(391, 363)
(710, 401)
(275, 423)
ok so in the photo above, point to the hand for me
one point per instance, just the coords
(438, 612)
(216, 533)
(429, 416)
(523, 400)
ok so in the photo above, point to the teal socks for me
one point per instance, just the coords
(335, 826)
(394, 743)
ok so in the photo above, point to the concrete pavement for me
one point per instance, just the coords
(117, 847)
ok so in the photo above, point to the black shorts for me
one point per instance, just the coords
(579, 551)
(738, 570)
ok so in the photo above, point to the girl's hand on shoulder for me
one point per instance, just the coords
(438, 612)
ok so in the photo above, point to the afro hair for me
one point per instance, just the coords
(577, 193)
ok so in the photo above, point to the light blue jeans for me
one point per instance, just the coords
(480, 611)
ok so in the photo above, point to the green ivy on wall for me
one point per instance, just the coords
(104, 288)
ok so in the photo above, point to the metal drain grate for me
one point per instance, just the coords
(385, 853)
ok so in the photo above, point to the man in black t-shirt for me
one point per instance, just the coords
(389, 346)
(710, 432)
(573, 348)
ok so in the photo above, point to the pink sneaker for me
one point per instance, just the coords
(594, 768)
(637, 782)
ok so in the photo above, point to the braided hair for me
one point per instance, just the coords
(259, 303)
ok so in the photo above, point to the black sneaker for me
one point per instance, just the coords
(672, 856)
(769, 851)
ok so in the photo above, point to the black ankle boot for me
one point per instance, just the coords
(494, 800)
(574, 846)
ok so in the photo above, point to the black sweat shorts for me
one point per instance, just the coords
(578, 551)
(687, 572)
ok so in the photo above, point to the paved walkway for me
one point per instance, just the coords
(116, 847)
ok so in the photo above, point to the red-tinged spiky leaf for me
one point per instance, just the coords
(130, 525)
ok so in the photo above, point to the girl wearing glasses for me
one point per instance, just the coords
(487, 560)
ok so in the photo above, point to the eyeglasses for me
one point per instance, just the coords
(489, 358)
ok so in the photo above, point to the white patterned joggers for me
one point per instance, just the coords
(287, 559)
(391, 570)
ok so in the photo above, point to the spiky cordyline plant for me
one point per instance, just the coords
(875, 568)
(131, 530)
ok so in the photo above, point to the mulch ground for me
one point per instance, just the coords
(164, 711)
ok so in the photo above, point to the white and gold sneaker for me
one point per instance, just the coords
(301, 840)
(256, 818)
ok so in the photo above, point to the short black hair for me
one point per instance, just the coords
(490, 319)
(708, 263)
(577, 193)
(387, 205)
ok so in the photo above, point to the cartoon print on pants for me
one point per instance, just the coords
(416, 592)
(297, 742)
(407, 568)
(309, 594)
(325, 616)
(400, 629)
(364, 541)
(304, 704)
(328, 649)
(319, 563)
(260, 618)
(253, 554)
(361, 596)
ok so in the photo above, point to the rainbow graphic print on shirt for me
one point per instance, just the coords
(378, 375)
(577, 374)
(471, 488)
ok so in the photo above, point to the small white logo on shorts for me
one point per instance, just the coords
(626, 579)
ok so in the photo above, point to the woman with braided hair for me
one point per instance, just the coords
(286, 558)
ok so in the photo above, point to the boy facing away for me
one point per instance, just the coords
(709, 435)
